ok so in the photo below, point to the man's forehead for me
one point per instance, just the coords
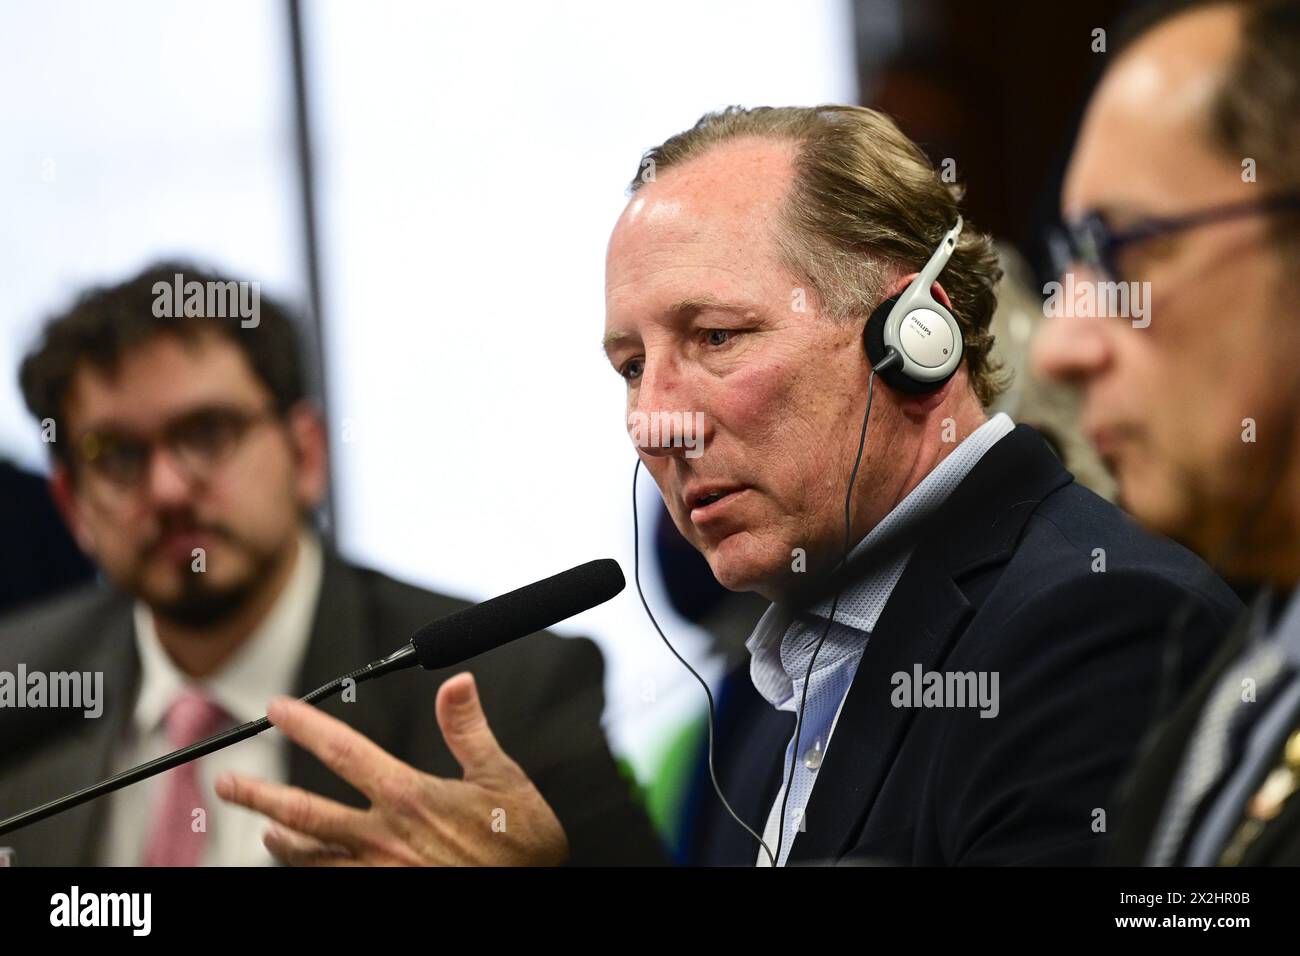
(699, 236)
(1172, 73)
(1146, 128)
(159, 377)
(725, 189)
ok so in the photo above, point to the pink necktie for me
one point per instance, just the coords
(177, 833)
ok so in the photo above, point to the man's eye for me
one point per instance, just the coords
(631, 369)
(717, 337)
(206, 433)
(124, 458)
(201, 429)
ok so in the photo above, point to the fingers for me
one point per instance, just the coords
(297, 809)
(359, 761)
(465, 728)
(298, 849)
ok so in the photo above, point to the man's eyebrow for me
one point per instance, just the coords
(113, 424)
(684, 310)
(688, 308)
(1118, 209)
(102, 425)
(614, 335)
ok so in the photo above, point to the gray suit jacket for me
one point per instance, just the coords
(543, 697)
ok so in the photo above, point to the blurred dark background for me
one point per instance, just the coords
(997, 86)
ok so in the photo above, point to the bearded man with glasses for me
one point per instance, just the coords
(188, 463)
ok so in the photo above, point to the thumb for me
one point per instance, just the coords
(465, 728)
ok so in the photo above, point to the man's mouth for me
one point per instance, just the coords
(180, 545)
(1107, 439)
(708, 501)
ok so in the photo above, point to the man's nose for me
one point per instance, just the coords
(166, 480)
(1070, 348)
(667, 419)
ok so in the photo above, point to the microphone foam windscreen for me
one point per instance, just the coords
(526, 610)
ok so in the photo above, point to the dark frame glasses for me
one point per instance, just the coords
(199, 441)
(1091, 241)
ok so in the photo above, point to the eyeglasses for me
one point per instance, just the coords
(199, 442)
(1092, 242)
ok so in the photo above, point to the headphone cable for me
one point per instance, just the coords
(636, 576)
(891, 358)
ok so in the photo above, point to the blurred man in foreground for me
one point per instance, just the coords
(997, 633)
(1185, 182)
(187, 462)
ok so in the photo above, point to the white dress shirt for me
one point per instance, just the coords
(267, 664)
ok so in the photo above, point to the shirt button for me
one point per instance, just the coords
(812, 757)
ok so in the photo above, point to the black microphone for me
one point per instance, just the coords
(441, 643)
(534, 607)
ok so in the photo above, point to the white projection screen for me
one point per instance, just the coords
(471, 159)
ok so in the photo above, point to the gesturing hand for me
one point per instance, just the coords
(494, 816)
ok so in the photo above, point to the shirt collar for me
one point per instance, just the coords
(777, 623)
(929, 493)
(265, 665)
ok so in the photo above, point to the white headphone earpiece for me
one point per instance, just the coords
(922, 331)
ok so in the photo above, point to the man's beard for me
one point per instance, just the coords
(200, 605)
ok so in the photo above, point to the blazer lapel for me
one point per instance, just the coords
(758, 768)
(1278, 844)
(978, 526)
(83, 756)
(341, 641)
(1144, 795)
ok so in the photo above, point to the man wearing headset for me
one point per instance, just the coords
(971, 683)
(1185, 177)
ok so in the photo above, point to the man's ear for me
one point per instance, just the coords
(64, 492)
(311, 453)
(903, 281)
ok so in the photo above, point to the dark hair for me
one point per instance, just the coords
(106, 322)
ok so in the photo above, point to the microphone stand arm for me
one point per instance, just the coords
(400, 659)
